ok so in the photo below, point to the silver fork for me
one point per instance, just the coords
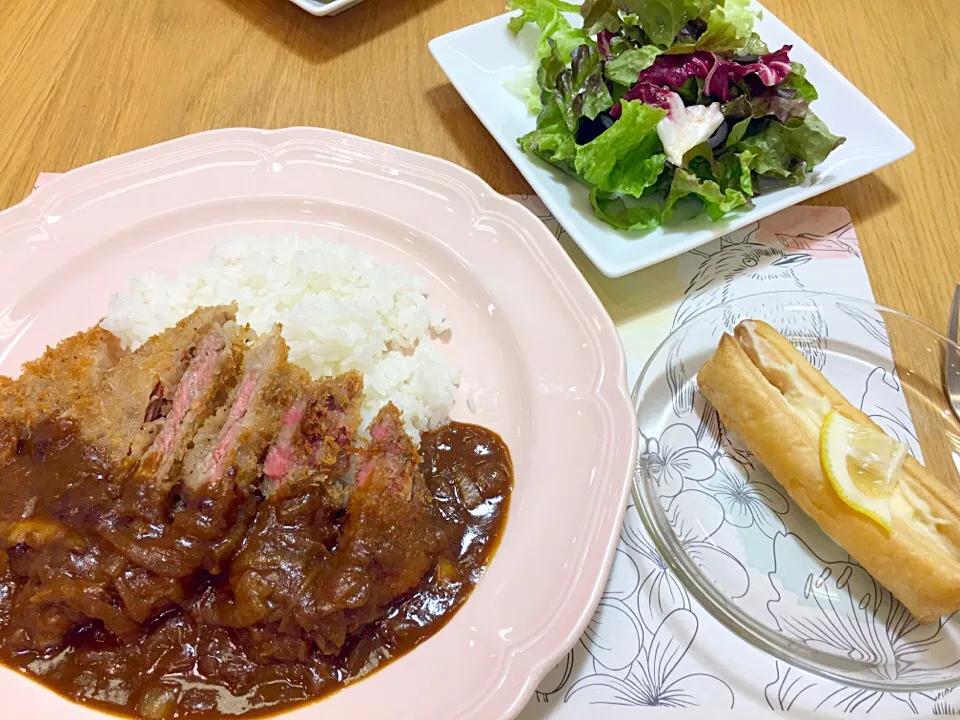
(952, 370)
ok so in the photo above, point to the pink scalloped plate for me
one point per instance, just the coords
(541, 361)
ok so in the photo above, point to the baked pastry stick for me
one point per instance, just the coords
(776, 401)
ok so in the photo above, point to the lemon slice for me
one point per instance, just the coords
(861, 463)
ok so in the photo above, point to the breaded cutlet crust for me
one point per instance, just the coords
(332, 420)
(113, 414)
(317, 432)
(60, 376)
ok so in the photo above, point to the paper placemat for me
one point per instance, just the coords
(650, 647)
(650, 644)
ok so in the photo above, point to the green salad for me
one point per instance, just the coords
(657, 100)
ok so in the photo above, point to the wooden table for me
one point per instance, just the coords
(81, 80)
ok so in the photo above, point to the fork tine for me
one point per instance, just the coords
(952, 368)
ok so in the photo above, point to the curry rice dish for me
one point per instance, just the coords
(196, 529)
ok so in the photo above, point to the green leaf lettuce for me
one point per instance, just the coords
(627, 158)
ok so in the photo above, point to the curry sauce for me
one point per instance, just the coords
(57, 527)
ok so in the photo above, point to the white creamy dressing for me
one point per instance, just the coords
(812, 408)
(685, 128)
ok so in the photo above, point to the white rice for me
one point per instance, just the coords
(340, 309)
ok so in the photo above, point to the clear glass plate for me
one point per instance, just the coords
(734, 537)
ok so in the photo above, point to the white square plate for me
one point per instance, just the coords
(319, 7)
(480, 59)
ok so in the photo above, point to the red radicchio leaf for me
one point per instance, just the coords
(674, 70)
(717, 73)
(604, 38)
(647, 93)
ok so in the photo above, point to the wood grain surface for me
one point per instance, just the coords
(82, 80)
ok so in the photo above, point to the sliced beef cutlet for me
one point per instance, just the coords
(215, 497)
(233, 442)
(390, 539)
(126, 413)
(295, 587)
(176, 382)
(295, 527)
(211, 495)
(223, 459)
(140, 417)
(203, 389)
(143, 410)
(315, 438)
(59, 377)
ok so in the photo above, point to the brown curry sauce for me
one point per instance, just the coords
(177, 667)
